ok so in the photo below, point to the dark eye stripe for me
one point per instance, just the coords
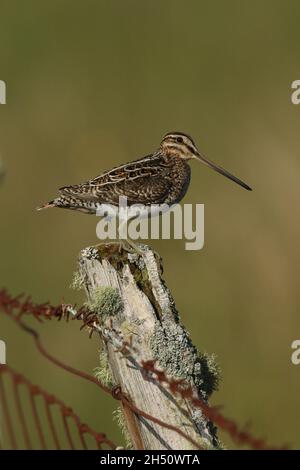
(174, 134)
(176, 139)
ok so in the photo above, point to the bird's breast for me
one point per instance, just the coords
(181, 176)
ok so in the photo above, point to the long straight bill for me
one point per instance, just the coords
(222, 171)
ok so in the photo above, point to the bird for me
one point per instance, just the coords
(162, 177)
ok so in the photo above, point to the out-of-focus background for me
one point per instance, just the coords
(92, 84)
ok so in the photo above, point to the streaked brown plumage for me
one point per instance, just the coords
(160, 178)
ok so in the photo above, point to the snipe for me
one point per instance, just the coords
(162, 177)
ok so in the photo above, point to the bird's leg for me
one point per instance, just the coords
(131, 247)
(134, 248)
(124, 245)
(125, 241)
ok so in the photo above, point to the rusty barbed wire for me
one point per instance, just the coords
(187, 392)
(50, 402)
(16, 308)
(119, 396)
(23, 305)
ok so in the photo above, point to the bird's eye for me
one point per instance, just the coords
(179, 140)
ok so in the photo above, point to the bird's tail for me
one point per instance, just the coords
(46, 206)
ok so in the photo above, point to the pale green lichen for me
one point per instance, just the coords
(172, 346)
(105, 301)
(118, 416)
(77, 281)
(103, 371)
(91, 253)
(211, 370)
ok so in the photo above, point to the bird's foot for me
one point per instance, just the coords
(131, 247)
(128, 246)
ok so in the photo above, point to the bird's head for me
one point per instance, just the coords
(180, 145)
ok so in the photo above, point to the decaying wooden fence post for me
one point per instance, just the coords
(130, 297)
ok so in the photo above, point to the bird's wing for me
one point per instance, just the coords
(144, 181)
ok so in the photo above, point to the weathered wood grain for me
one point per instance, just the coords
(144, 313)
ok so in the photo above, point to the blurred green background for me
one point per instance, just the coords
(92, 84)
